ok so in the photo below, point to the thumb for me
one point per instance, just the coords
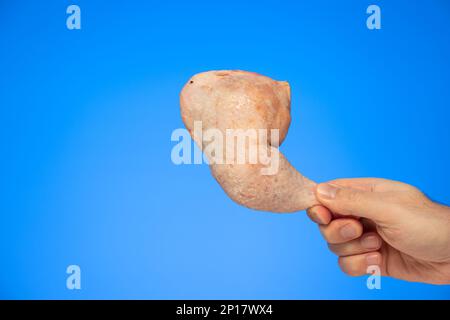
(351, 201)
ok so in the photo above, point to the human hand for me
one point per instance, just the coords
(370, 221)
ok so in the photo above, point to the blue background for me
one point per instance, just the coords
(86, 118)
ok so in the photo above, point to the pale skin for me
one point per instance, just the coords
(370, 221)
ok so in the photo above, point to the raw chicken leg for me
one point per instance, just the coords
(246, 100)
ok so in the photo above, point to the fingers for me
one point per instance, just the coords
(319, 214)
(341, 230)
(352, 201)
(344, 232)
(322, 215)
(357, 265)
(367, 243)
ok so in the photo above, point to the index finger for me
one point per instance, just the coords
(320, 214)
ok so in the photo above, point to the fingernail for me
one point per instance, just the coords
(348, 232)
(327, 191)
(319, 220)
(315, 216)
(372, 259)
(370, 242)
